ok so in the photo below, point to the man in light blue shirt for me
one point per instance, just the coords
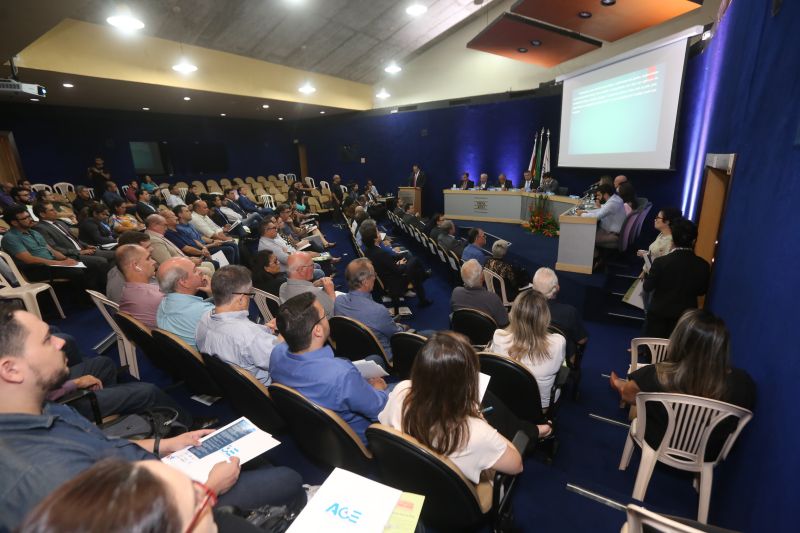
(180, 310)
(477, 240)
(305, 363)
(359, 305)
(611, 216)
(228, 333)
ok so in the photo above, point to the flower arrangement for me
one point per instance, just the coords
(541, 220)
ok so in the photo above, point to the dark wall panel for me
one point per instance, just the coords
(58, 144)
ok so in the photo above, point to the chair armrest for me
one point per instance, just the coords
(521, 441)
(69, 399)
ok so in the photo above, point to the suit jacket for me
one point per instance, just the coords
(548, 187)
(144, 210)
(162, 248)
(483, 186)
(387, 269)
(413, 220)
(676, 280)
(530, 185)
(463, 185)
(57, 240)
(421, 179)
(233, 206)
(506, 186)
(451, 243)
(95, 233)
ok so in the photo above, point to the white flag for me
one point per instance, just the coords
(546, 156)
(533, 154)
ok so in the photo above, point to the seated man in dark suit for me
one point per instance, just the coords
(465, 182)
(58, 236)
(143, 206)
(676, 280)
(503, 183)
(483, 184)
(95, 229)
(248, 205)
(473, 295)
(395, 272)
(83, 198)
(564, 316)
(447, 238)
(112, 194)
(411, 217)
(548, 184)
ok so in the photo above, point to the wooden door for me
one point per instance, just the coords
(716, 185)
(303, 160)
(10, 164)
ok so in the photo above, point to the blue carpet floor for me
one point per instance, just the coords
(589, 450)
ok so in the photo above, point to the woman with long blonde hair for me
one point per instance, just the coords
(527, 341)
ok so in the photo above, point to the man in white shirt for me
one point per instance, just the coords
(272, 241)
(174, 198)
(228, 333)
(611, 216)
(203, 223)
(528, 183)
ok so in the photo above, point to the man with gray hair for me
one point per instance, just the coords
(447, 238)
(299, 273)
(228, 333)
(181, 310)
(359, 305)
(139, 298)
(564, 316)
(473, 295)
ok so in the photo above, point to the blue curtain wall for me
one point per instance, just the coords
(756, 283)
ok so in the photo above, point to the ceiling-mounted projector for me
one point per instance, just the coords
(14, 88)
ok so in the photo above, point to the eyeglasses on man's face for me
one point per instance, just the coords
(205, 499)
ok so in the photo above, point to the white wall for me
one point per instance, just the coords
(449, 70)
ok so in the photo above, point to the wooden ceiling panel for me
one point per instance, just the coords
(509, 33)
(609, 23)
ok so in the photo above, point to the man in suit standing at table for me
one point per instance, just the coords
(417, 177)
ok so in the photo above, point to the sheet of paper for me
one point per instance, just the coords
(220, 258)
(483, 383)
(240, 438)
(370, 369)
(635, 294)
(78, 265)
(302, 245)
(109, 246)
(347, 502)
(233, 226)
(383, 235)
(406, 513)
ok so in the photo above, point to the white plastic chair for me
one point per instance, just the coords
(91, 192)
(268, 201)
(344, 189)
(125, 189)
(656, 347)
(638, 517)
(261, 298)
(27, 291)
(164, 193)
(282, 177)
(690, 422)
(490, 277)
(41, 187)
(291, 177)
(63, 187)
(309, 181)
(324, 185)
(127, 351)
(183, 191)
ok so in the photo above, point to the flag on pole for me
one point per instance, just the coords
(537, 171)
(546, 156)
(533, 154)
